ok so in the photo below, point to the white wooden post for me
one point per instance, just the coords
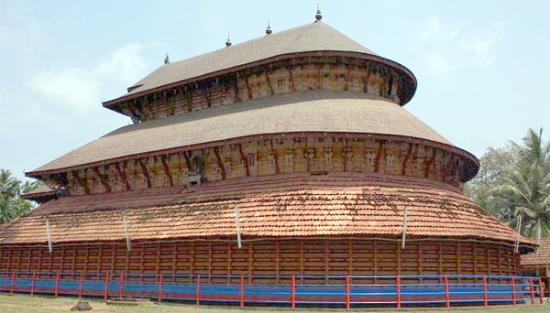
(404, 237)
(49, 235)
(238, 225)
(127, 234)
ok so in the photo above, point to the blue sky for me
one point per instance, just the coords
(482, 66)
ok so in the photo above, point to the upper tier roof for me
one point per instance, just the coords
(313, 111)
(307, 38)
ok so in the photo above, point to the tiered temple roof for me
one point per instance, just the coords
(321, 118)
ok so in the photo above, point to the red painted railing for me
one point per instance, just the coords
(241, 289)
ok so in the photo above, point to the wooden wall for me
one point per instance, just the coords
(276, 258)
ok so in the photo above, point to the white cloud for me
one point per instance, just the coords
(438, 64)
(446, 45)
(79, 89)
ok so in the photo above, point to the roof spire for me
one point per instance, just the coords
(166, 59)
(228, 42)
(268, 29)
(318, 15)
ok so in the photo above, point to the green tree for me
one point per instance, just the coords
(11, 203)
(521, 193)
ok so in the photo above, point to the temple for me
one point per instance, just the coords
(287, 155)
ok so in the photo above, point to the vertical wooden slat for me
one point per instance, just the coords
(277, 260)
(192, 265)
(440, 258)
(398, 252)
(113, 257)
(302, 261)
(209, 262)
(229, 256)
(375, 260)
(158, 257)
(458, 260)
(174, 260)
(250, 260)
(62, 265)
(350, 257)
(327, 260)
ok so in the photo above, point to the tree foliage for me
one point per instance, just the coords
(514, 185)
(11, 203)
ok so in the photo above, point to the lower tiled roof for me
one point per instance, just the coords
(337, 204)
(540, 257)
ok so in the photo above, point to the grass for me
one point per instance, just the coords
(37, 304)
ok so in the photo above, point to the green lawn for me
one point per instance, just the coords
(27, 304)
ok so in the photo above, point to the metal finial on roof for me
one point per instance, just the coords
(166, 59)
(228, 42)
(318, 15)
(268, 29)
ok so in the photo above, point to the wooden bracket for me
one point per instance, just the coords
(145, 172)
(248, 90)
(121, 169)
(219, 161)
(82, 182)
(430, 163)
(167, 170)
(378, 156)
(291, 79)
(236, 88)
(268, 81)
(275, 156)
(103, 179)
(407, 157)
(244, 160)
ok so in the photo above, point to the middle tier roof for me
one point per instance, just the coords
(313, 111)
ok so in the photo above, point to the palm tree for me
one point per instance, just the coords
(525, 191)
(11, 203)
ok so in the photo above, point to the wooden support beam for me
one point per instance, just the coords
(406, 159)
(291, 79)
(145, 172)
(206, 93)
(121, 170)
(244, 159)
(236, 88)
(366, 81)
(378, 156)
(82, 182)
(248, 89)
(318, 76)
(219, 162)
(429, 163)
(167, 170)
(103, 179)
(268, 82)
(348, 81)
(275, 155)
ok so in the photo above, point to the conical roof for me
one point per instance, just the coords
(310, 37)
